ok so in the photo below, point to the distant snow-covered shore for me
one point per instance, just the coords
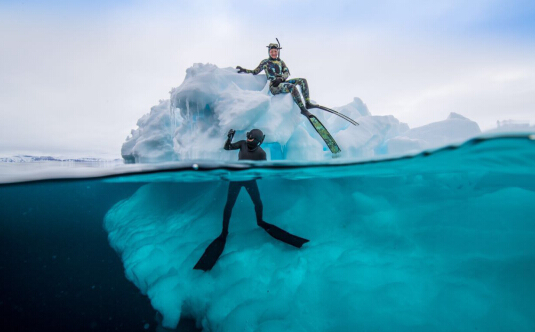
(35, 159)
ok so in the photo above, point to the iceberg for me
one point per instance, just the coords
(454, 130)
(192, 124)
(440, 241)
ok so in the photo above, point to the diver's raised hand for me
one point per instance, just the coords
(231, 133)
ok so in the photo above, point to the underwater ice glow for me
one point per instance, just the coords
(437, 242)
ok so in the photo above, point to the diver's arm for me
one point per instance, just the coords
(281, 77)
(228, 144)
(285, 71)
(233, 146)
(255, 71)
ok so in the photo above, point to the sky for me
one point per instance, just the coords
(75, 76)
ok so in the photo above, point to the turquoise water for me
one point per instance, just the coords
(439, 241)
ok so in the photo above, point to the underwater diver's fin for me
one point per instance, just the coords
(345, 117)
(322, 131)
(283, 235)
(211, 254)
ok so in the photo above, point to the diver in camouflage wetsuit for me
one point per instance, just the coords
(277, 73)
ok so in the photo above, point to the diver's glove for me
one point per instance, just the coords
(231, 133)
(241, 70)
(277, 81)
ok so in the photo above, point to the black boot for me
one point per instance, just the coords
(310, 105)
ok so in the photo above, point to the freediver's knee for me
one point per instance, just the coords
(295, 94)
(229, 206)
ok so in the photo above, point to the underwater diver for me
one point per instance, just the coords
(249, 150)
(277, 73)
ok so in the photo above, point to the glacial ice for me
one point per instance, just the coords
(440, 242)
(192, 124)
(435, 242)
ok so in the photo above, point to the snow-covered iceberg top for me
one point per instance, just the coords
(193, 123)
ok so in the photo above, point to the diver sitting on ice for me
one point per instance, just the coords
(277, 73)
(249, 150)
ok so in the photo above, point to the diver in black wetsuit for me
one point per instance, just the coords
(249, 150)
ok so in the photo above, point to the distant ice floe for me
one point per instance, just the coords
(193, 123)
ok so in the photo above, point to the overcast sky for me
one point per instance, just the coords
(75, 76)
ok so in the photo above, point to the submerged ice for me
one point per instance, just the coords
(192, 124)
(440, 242)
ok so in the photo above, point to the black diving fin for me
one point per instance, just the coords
(283, 235)
(211, 254)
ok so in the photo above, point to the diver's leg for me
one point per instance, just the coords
(215, 249)
(299, 101)
(233, 192)
(289, 87)
(302, 82)
(274, 231)
(211, 254)
(254, 193)
(297, 98)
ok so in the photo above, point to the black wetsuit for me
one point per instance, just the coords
(235, 186)
(215, 249)
(245, 154)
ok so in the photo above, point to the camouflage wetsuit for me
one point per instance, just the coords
(276, 68)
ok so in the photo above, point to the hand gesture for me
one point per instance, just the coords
(231, 133)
